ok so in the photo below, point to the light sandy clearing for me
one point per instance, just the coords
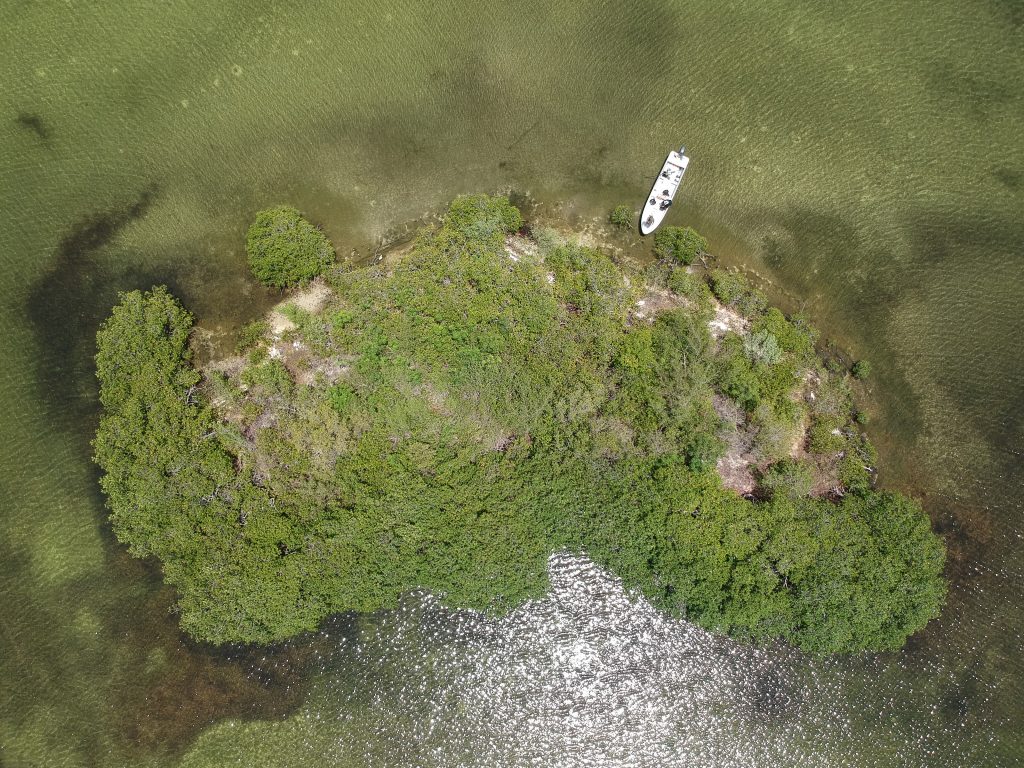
(309, 299)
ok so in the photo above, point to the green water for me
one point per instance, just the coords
(864, 158)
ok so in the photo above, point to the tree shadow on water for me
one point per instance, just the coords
(65, 308)
(162, 706)
(34, 124)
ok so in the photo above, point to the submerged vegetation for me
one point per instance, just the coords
(449, 418)
(622, 216)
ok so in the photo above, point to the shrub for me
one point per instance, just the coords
(834, 399)
(284, 249)
(802, 323)
(703, 452)
(220, 388)
(270, 379)
(256, 355)
(824, 437)
(692, 288)
(681, 244)
(861, 369)
(482, 216)
(340, 397)
(762, 347)
(341, 317)
(728, 286)
(547, 240)
(733, 289)
(788, 478)
(736, 375)
(776, 432)
(251, 334)
(622, 216)
(834, 358)
(794, 336)
(855, 467)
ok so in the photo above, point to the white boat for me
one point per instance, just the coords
(664, 189)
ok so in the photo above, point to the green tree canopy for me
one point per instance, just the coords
(679, 244)
(788, 478)
(861, 369)
(284, 249)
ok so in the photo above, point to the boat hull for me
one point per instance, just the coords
(663, 191)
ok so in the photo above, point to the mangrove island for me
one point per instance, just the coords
(450, 417)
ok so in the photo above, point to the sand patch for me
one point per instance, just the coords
(654, 302)
(520, 248)
(727, 320)
(310, 299)
(736, 465)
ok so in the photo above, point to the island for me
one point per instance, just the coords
(448, 418)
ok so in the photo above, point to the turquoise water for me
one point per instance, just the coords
(864, 160)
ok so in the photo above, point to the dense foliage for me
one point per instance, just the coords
(449, 420)
(284, 249)
(680, 244)
(861, 369)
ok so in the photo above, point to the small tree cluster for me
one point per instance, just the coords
(284, 249)
(734, 289)
(861, 369)
(680, 244)
(482, 217)
(787, 478)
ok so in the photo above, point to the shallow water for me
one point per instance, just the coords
(866, 162)
(589, 676)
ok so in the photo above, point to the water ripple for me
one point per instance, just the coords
(594, 676)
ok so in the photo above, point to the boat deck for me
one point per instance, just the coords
(663, 190)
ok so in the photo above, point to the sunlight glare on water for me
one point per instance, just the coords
(589, 676)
